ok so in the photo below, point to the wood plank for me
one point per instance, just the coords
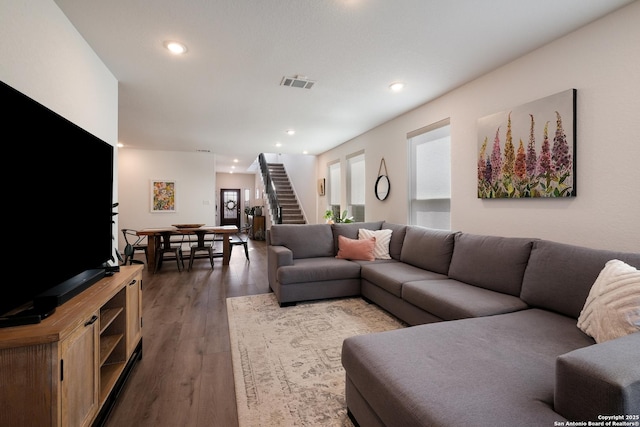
(185, 376)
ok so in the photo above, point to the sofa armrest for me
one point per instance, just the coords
(602, 379)
(277, 256)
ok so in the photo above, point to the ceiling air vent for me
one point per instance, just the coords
(297, 81)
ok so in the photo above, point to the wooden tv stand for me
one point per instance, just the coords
(67, 369)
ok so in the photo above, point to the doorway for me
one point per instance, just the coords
(230, 206)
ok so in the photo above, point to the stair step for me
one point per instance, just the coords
(289, 206)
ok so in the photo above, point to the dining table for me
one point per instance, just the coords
(155, 239)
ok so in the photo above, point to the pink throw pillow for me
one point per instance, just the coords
(355, 249)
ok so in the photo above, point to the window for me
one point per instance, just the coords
(356, 186)
(334, 188)
(430, 164)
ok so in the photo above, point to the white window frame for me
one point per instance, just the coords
(430, 176)
(356, 185)
(333, 186)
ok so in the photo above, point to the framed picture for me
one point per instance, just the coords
(163, 195)
(321, 187)
(529, 151)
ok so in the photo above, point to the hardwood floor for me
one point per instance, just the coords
(185, 377)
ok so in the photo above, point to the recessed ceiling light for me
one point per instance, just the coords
(235, 160)
(278, 144)
(396, 86)
(290, 131)
(176, 48)
(305, 152)
(120, 145)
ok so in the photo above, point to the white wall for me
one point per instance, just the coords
(602, 62)
(198, 186)
(44, 57)
(301, 170)
(241, 181)
(195, 177)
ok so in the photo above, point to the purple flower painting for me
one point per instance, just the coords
(517, 158)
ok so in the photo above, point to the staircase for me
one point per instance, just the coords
(291, 212)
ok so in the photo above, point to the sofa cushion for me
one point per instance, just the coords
(318, 270)
(304, 240)
(487, 371)
(450, 299)
(491, 262)
(599, 379)
(612, 309)
(350, 230)
(383, 238)
(391, 274)
(397, 238)
(559, 276)
(356, 249)
(427, 248)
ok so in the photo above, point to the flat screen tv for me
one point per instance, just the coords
(57, 194)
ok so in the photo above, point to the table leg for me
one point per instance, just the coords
(226, 249)
(152, 245)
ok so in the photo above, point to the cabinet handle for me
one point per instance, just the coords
(133, 282)
(92, 320)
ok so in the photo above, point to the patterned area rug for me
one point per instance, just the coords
(286, 361)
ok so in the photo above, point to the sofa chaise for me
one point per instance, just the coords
(497, 324)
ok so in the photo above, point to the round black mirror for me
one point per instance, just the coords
(382, 187)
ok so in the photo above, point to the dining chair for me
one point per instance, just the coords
(201, 245)
(241, 238)
(167, 246)
(133, 243)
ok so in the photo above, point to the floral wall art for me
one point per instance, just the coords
(529, 151)
(163, 196)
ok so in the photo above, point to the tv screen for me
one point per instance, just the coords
(57, 195)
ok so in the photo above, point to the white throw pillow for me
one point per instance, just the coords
(612, 308)
(383, 237)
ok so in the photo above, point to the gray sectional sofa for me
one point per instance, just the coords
(493, 337)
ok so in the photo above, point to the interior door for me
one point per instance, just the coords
(230, 206)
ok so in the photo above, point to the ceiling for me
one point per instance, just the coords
(225, 96)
